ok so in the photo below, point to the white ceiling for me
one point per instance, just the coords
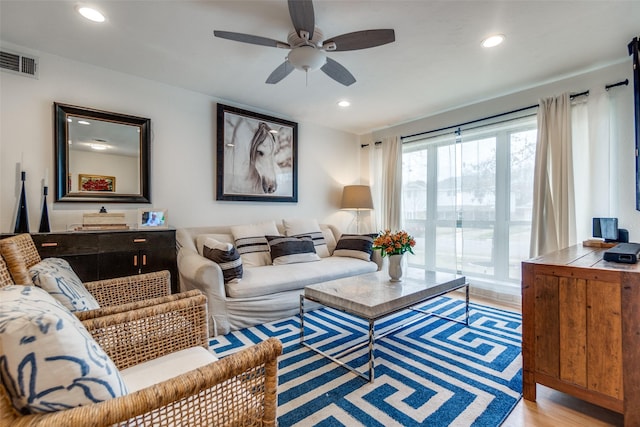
(436, 63)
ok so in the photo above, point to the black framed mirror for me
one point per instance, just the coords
(101, 156)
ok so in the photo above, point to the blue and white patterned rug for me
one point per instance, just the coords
(433, 373)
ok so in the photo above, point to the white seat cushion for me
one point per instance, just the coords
(271, 279)
(166, 367)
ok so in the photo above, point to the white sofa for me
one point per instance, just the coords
(265, 293)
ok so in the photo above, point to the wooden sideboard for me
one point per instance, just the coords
(96, 255)
(581, 328)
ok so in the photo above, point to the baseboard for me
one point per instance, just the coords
(492, 295)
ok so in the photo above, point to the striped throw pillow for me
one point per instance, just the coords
(355, 246)
(226, 256)
(307, 227)
(290, 250)
(251, 242)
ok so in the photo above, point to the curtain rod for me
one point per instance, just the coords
(625, 82)
(472, 121)
(575, 95)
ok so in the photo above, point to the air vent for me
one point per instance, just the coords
(19, 64)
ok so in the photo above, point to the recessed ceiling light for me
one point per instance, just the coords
(91, 14)
(83, 122)
(344, 103)
(493, 40)
(98, 146)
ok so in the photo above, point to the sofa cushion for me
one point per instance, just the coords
(251, 243)
(56, 276)
(291, 250)
(307, 227)
(355, 246)
(329, 239)
(226, 256)
(49, 360)
(271, 279)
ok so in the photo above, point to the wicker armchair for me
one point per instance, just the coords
(20, 254)
(238, 390)
(5, 276)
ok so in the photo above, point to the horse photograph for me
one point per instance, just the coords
(256, 156)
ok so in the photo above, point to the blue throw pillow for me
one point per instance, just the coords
(56, 276)
(48, 360)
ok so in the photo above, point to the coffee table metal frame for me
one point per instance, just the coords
(372, 337)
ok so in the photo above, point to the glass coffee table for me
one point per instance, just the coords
(372, 297)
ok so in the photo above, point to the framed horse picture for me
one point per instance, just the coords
(257, 157)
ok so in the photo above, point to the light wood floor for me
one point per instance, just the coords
(553, 408)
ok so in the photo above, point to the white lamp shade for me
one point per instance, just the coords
(355, 197)
(307, 58)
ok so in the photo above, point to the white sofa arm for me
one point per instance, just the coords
(376, 257)
(198, 272)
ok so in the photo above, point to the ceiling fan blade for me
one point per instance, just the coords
(302, 16)
(280, 73)
(359, 40)
(248, 38)
(338, 73)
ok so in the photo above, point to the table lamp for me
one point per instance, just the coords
(357, 198)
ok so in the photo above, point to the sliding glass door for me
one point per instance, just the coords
(467, 199)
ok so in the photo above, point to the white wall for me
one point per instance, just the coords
(594, 81)
(183, 140)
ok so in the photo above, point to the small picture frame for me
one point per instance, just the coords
(152, 218)
(96, 183)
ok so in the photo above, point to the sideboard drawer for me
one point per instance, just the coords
(115, 242)
(57, 245)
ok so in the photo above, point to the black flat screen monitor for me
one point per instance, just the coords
(607, 228)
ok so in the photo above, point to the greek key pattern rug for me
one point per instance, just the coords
(433, 373)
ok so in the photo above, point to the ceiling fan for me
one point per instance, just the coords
(307, 47)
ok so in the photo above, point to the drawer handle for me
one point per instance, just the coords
(49, 245)
(139, 240)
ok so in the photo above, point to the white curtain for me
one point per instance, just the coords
(553, 218)
(592, 160)
(385, 170)
(597, 158)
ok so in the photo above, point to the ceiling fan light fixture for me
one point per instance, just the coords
(307, 58)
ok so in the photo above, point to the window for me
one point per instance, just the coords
(467, 199)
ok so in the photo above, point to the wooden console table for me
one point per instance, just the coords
(581, 329)
(96, 255)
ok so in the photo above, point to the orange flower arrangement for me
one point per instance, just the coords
(394, 243)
